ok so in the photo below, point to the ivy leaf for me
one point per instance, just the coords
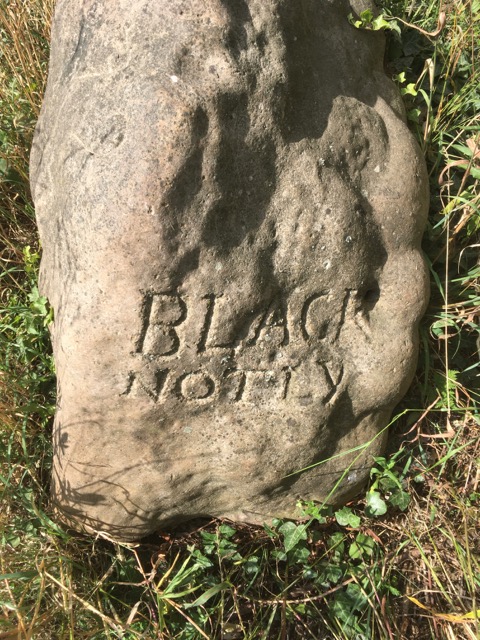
(226, 531)
(414, 115)
(346, 518)
(331, 574)
(409, 90)
(292, 534)
(363, 545)
(300, 555)
(252, 565)
(376, 505)
(400, 499)
(380, 23)
(366, 16)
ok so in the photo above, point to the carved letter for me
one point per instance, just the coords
(151, 384)
(314, 320)
(333, 377)
(196, 385)
(272, 327)
(161, 313)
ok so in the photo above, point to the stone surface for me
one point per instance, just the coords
(230, 207)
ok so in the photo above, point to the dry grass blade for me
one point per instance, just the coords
(116, 626)
(24, 23)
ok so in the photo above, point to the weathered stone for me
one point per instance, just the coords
(230, 207)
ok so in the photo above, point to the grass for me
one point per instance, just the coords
(402, 561)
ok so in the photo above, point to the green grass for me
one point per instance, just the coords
(403, 560)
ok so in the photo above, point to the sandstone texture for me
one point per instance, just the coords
(230, 207)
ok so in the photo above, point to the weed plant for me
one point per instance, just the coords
(402, 561)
